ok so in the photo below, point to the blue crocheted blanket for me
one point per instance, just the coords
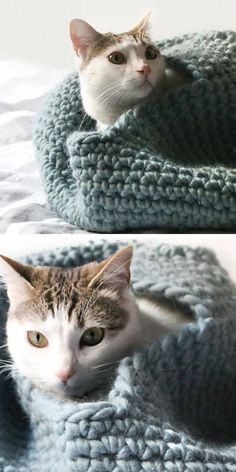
(168, 165)
(170, 408)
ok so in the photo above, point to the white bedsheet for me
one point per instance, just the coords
(23, 203)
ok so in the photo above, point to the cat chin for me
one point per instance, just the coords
(70, 392)
(81, 387)
(142, 91)
(96, 392)
(63, 390)
(74, 387)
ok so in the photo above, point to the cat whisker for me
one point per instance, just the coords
(107, 100)
(7, 371)
(112, 93)
(109, 87)
(83, 120)
(5, 366)
(4, 369)
(107, 96)
(4, 378)
(3, 346)
(112, 99)
(114, 84)
(104, 371)
(104, 365)
(6, 363)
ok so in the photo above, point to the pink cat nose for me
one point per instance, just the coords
(145, 70)
(64, 374)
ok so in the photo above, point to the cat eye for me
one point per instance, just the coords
(151, 53)
(37, 339)
(117, 58)
(92, 336)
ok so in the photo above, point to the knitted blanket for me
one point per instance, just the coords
(169, 164)
(169, 408)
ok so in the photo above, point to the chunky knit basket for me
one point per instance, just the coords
(170, 408)
(167, 165)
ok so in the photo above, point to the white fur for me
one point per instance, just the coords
(64, 352)
(158, 319)
(107, 89)
(147, 322)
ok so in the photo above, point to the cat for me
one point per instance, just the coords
(68, 328)
(119, 71)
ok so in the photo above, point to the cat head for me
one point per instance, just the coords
(116, 70)
(67, 328)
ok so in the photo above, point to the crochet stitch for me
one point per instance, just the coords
(166, 406)
(167, 165)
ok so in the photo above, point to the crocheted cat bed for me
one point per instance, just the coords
(167, 165)
(169, 408)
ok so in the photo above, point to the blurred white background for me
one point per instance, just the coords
(38, 31)
(223, 245)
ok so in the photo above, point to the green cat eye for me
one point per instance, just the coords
(117, 58)
(37, 339)
(92, 336)
(151, 53)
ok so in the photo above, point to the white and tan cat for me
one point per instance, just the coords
(68, 328)
(119, 71)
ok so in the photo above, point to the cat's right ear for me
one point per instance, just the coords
(83, 36)
(17, 279)
(114, 272)
(143, 26)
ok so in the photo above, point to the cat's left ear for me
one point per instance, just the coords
(83, 36)
(143, 26)
(18, 280)
(114, 273)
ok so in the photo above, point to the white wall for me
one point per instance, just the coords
(223, 245)
(37, 31)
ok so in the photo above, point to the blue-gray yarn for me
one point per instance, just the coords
(181, 388)
(167, 165)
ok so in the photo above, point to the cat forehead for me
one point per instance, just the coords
(109, 42)
(83, 307)
(80, 307)
(128, 47)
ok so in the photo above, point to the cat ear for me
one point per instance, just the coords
(17, 278)
(143, 26)
(114, 273)
(83, 36)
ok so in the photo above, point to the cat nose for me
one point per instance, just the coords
(144, 69)
(64, 374)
